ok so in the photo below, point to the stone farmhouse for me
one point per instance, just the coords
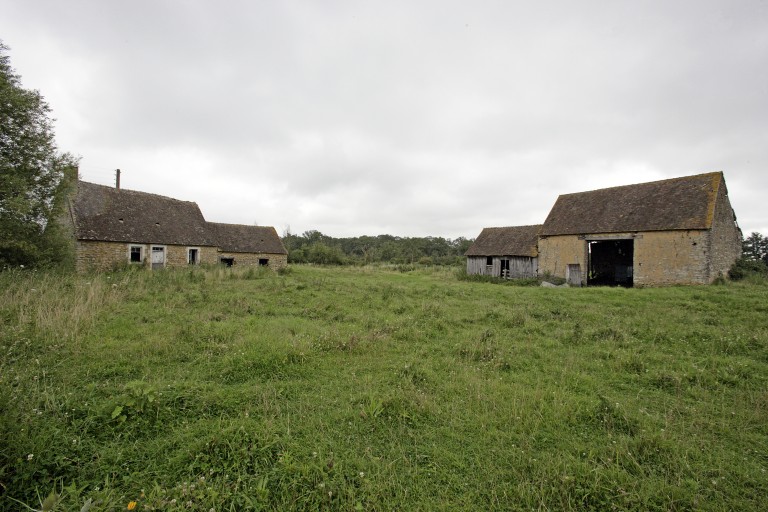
(668, 232)
(114, 227)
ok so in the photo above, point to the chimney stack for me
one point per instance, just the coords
(117, 179)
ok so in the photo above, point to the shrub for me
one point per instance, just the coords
(745, 267)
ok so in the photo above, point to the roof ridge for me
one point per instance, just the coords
(665, 180)
(131, 191)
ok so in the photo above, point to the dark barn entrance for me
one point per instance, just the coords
(610, 262)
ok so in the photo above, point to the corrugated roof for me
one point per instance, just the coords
(673, 204)
(112, 215)
(243, 238)
(506, 241)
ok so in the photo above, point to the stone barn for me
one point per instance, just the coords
(115, 227)
(508, 252)
(669, 232)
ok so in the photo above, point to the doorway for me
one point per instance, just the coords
(158, 257)
(611, 263)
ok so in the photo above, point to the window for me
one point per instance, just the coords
(489, 260)
(263, 262)
(134, 254)
(227, 261)
(193, 256)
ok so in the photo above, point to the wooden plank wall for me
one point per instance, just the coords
(519, 266)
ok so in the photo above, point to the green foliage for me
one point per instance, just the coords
(746, 267)
(34, 177)
(367, 388)
(755, 247)
(315, 247)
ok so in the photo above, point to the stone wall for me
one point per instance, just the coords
(725, 238)
(557, 252)
(99, 256)
(275, 261)
(103, 256)
(672, 257)
(660, 257)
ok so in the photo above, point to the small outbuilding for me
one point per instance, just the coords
(508, 252)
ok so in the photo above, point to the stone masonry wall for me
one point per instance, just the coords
(103, 256)
(557, 252)
(99, 256)
(276, 261)
(671, 257)
(660, 258)
(725, 238)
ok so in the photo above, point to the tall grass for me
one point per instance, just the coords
(366, 388)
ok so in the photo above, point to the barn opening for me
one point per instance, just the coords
(228, 262)
(610, 263)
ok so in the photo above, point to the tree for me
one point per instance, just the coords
(32, 175)
(755, 247)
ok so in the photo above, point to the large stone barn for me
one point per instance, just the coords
(508, 252)
(115, 227)
(675, 231)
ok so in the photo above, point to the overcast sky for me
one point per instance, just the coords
(411, 118)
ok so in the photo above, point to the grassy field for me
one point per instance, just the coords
(373, 389)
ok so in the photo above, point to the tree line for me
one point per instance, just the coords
(315, 247)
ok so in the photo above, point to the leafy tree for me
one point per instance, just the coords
(32, 176)
(755, 247)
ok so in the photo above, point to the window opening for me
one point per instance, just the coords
(135, 254)
(192, 257)
(263, 262)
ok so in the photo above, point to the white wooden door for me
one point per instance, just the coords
(158, 257)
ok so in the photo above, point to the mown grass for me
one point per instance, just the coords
(374, 389)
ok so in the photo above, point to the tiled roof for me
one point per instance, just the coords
(673, 204)
(506, 241)
(108, 214)
(243, 238)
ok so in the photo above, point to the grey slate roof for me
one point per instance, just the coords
(673, 204)
(108, 214)
(506, 241)
(243, 238)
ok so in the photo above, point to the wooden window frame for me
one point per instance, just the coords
(197, 255)
(131, 247)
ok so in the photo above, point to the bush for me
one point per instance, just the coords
(745, 267)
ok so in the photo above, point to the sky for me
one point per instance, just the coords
(405, 117)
